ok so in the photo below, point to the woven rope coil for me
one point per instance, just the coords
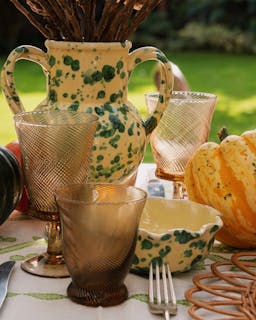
(248, 300)
(229, 290)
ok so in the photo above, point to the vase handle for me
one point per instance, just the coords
(166, 82)
(7, 75)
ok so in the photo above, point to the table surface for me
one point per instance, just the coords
(31, 297)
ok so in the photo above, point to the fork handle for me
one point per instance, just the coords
(167, 315)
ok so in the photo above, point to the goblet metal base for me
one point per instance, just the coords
(42, 215)
(42, 265)
(177, 176)
(104, 297)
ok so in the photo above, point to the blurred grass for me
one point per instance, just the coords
(231, 77)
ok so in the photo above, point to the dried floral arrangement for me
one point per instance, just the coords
(86, 20)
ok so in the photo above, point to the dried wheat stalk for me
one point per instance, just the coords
(86, 20)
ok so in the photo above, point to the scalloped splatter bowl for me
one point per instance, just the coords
(178, 232)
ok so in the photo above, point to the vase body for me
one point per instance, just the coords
(93, 78)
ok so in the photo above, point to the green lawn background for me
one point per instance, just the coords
(231, 77)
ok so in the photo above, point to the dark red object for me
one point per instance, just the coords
(14, 147)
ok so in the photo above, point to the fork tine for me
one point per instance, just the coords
(166, 289)
(166, 296)
(158, 288)
(173, 297)
(151, 284)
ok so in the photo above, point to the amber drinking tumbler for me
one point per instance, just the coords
(55, 148)
(100, 224)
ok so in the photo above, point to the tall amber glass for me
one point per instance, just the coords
(55, 148)
(100, 223)
(185, 125)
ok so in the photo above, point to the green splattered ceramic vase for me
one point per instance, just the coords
(93, 78)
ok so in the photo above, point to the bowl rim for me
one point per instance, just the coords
(218, 221)
(198, 95)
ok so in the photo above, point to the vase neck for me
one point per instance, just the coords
(87, 73)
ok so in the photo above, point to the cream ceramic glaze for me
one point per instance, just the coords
(93, 77)
(178, 232)
(160, 215)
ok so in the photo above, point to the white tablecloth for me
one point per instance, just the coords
(36, 298)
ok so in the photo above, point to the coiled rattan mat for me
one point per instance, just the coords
(227, 292)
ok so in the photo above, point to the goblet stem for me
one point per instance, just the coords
(54, 248)
(179, 190)
(51, 263)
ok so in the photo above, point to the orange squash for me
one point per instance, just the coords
(224, 177)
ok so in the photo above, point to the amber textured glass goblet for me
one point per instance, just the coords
(55, 148)
(100, 224)
(184, 126)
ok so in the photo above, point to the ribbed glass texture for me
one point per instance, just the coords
(100, 224)
(55, 148)
(183, 128)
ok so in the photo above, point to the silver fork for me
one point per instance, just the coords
(166, 305)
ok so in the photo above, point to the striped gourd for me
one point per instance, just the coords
(224, 177)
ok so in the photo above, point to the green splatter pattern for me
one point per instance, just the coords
(94, 79)
(182, 249)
